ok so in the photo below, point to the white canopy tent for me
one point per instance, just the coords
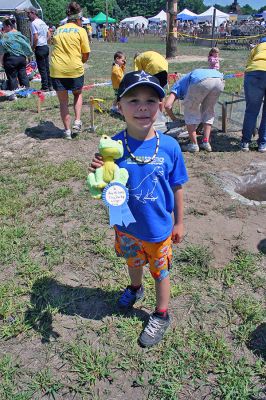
(85, 21)
(207, 16)
(133, 21)
(187, 12)
(12, 5)
(159, 17)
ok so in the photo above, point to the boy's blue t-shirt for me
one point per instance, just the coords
(151, 199)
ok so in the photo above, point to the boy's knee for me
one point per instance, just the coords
(160, 275)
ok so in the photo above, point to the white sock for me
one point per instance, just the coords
(77, 121)
(67, 130)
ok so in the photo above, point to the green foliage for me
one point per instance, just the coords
(89, 363)
(54, 10)
(248, 10)
(197, 6)
(195, 260)
(242, 266)
(236, 381)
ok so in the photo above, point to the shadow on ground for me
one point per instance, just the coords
(91, 303)
(224, 142)
(257, 341)
(262, 246)
(45, 130)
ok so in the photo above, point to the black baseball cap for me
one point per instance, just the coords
(139, 78)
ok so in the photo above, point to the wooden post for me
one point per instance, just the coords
(213, 25)
(231, 105)
(224, 117)
(39, 108)
(92, 127)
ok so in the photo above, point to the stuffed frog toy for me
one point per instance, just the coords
(110, 150)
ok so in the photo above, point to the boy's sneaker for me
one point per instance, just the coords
(262, 148)
(77, 127)
(154, 330)
(190, 147)
(129, 298)
(67, 134)
(244, 146)
(205, 146)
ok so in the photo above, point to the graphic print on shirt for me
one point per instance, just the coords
(146, 189)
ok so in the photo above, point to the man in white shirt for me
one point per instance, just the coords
(40, 36)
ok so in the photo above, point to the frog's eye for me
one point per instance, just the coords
(105, 137)
(119, 141)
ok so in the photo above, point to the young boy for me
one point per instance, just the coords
(118, 70)
(156, 174)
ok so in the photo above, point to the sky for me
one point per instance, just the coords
(253, 3)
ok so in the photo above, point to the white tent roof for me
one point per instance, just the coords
(187, 12)
(208, 15)
(85, 21)
(135, 20)
(159, 17)
(11, 5)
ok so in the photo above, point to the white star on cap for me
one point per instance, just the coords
(143, 76)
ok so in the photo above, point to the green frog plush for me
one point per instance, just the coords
(110, 150)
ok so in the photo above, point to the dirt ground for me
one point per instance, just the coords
(212, 219)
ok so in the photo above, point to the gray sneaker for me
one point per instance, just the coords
(77, 127)
(244, 146)
(205, 146)
(190, 147)
(262, 148)
(154, 331)
(67, 135)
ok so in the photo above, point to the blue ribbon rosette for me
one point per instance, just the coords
(115, 196)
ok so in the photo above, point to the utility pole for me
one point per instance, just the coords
(106, 12)
(171, 36)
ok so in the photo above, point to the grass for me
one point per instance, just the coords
(61, 335)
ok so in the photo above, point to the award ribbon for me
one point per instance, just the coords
(115, 196)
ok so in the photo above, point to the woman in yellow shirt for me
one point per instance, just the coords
(255, 94)
(71, 50)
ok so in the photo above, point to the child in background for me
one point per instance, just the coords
(156, 174)
(214, 59)
(118, 70)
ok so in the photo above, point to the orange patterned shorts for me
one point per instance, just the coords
(138, 253)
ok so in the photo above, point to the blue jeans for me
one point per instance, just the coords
(255, 92)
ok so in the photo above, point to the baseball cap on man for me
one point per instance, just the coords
(32, 9)
(139, 78)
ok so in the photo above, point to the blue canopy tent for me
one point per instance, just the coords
(186, 17)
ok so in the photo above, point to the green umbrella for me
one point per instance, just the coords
(101, 19)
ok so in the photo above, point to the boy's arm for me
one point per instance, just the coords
(178, 228)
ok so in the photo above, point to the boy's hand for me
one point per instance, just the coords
(97, 162)
(177, 233)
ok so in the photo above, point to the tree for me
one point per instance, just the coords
(224, 9)
(247, 10)
(171, 40)
(54, 10)
(196, 6)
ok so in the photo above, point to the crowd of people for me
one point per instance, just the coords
(225, 29)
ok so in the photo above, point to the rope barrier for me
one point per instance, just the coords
(217, 39)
